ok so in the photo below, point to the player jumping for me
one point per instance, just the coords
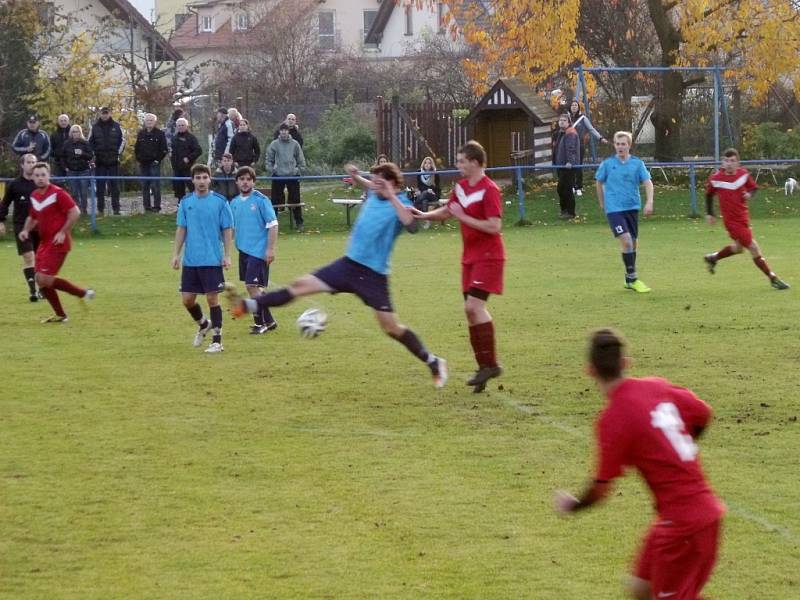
(652, 425)
(52, 213)
(735, 187)
(477, 203)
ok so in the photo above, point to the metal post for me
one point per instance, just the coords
(395, 116)
(521, 197)
(725, 111)
(587, 109)
(693, 190)
(717, 90)
(92, 202)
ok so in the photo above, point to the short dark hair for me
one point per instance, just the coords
(606, 349)
(246, 170)
(228, 155)
(731, 153)
(390, 172)
(200, 169)
(472, 150)
(222, 110)
(283, 126)
(41, 165)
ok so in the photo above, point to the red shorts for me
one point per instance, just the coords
(486, 275)
(740, 232)
(49, 259)
(678, 565)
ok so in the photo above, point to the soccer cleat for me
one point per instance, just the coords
(214, 348)
(439, 370)
(271, 326)
(711, 263)
(201, 333)
(639, 286)
(33, 297)
(56, 319)
(88, 296)
(483, 375)
(255, 329)
(779, 284)
(235, 300)
(579, 192)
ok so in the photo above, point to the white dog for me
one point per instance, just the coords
(790, 186)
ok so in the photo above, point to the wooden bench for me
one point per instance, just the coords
(771, 170)
(349, 203)
(279, 207)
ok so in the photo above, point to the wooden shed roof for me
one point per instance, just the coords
(511, 93)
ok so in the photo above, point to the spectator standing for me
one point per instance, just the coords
(294, 129)
(78, 156)
(32, 140)
(584, 127)
(150, 150)
(171, 127)
(245, 148)
(57, 140)
(224, 180)
(236, 118)
(285, 159)
(566, 155)
(185, 152)
(224, 135)
(108, 142)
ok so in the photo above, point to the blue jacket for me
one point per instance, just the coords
(39, 138)
(223, 139)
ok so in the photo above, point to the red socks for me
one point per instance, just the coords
(482, 339)
(69, 287)
(762, 264)
(52, 298)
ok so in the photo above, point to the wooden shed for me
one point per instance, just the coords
(513, 123)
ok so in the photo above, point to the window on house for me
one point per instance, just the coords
(409, 20)
(242, 21)
(327, 29)
(207, 23)
(369, 19)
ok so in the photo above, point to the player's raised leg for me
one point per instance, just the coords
(306, 285)
(395, 329)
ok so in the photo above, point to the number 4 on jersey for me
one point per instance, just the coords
(667, 418)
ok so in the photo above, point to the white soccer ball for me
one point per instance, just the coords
(312, 322)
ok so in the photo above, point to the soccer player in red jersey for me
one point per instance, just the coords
(52, 213)
(477, 203)
(735, 187)
(652, 425)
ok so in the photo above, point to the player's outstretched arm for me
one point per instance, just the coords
(601, 194)
(180, 237)
(439, 214)
(363, 182)
(565, 502)
(492, 225)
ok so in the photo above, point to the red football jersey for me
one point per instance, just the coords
(481, 201)
(50, 207)
(647, 424)
(731, 190)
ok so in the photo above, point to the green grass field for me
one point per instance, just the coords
(135, 466)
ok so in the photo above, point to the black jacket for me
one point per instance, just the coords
(151, 146)
(185, 145)
(77, 154)
(225, 183)
(436, 187)
(245, 148)
(293, 131)
(57, 139)
(107, 141)
(18, 193)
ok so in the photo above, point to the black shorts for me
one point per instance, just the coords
(252, 270)
(202, 280)
(624, 221)
(29, 245)
(349, 277)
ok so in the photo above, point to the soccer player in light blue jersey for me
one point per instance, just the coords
(618, 181)
(256, 235)
(205, 235)
(364, 270)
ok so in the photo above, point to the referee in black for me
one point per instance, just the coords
(18, 194)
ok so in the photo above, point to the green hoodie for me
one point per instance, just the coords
(285, 158)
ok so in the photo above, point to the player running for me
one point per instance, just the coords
(652, 425)
(256, 235)
(18, 193)
(203, 217)
(618, 180)
(477, 203)
(364, 270)
(735, 187)
(52, 213)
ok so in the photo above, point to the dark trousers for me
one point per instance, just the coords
(79, 188)
(425, 199)
(179, 187)
(58, 170)
(113, 187)
(293, 186)
(579, 172)
(566, 197)
(151, 169)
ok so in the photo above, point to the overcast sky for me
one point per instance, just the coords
(144, 6)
